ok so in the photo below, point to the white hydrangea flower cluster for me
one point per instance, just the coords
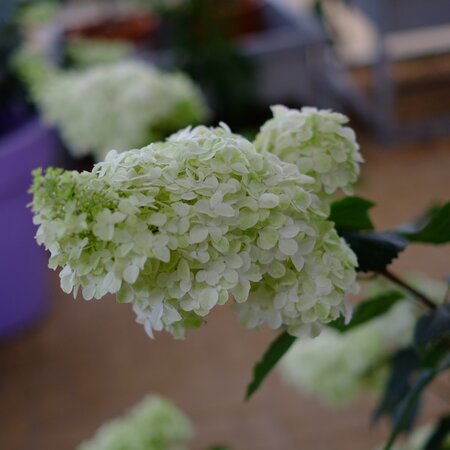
(177, 226)
(119, 106)
(317, 142)
(337, 367)
(153, 424)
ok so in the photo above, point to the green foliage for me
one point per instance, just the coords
(404, 363)
(412, 370)
(374, 251)
(351, 213)
(369, 309)
(436, 230)
(433, 326)
(439, 435)
(404, 410)
(270, 358)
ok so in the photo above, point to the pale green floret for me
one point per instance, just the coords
(176, 227)
(118, 106)
(153, 424)
(338, 367)
(317, 142)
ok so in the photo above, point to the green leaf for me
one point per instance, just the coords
(439, 435)
(408, 405)
(351, 213)
(431, 356)
(375, 251)
(436, 231)
(369, 309)
(405, 362)
(424, 378)
(433, 326)
(270, 358)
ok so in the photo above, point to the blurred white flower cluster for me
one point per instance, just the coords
(317, 142)
(337, 367)
(153, 424)
(177, 226)
(118, 106)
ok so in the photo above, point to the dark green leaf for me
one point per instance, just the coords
(369, 309)
(436, 231)
(424, 378)
(375, 251)
(404, 364)
(433, 326)
(219, 447)
(432, 355)
(419, 222)
(351, 213)
(270, 358)
(439, 435)
(408, 405)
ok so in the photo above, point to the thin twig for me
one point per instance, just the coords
(419, 295)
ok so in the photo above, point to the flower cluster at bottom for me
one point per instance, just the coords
(153, 424)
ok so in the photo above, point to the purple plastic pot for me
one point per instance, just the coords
(24, 284)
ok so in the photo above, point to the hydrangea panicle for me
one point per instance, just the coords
(318, 142)
(178, 226)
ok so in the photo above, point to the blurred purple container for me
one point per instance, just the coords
(24, 284)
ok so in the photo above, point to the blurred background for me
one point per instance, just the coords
(80, 77)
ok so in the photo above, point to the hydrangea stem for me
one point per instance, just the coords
(417, 294)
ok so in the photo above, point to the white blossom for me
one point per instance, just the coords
(178, 226)
(317, 142)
